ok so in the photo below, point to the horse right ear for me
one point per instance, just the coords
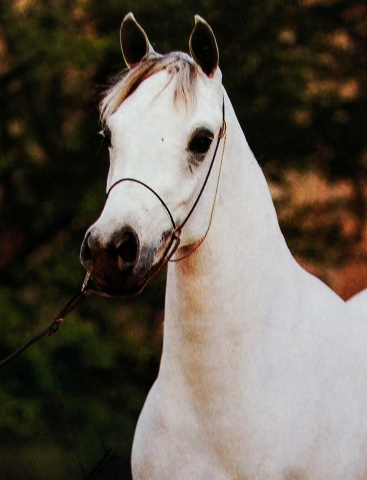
(203, 47)
(134, 41)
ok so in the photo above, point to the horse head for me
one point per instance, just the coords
(162, 121)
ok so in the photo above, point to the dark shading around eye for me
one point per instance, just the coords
(106, 135)
(200, 142)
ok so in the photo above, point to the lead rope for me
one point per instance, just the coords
(54, 326)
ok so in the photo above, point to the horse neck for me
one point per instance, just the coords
(221, 295)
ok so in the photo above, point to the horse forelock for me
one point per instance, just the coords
(180, 66)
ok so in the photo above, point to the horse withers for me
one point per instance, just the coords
(263, 372)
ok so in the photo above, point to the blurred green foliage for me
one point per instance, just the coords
(296, 73)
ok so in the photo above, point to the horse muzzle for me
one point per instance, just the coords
(118, 264)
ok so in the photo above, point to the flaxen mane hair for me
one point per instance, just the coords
(180, 66)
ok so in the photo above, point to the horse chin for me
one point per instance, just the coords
(120, 289)
(126, 283)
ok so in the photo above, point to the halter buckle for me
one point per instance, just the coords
(223, 129)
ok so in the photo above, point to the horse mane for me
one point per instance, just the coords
(179, 65)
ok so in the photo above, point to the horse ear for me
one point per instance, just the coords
(134, 41)
(203, 47)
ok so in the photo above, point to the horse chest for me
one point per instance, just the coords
(259, 430)
(177, 439)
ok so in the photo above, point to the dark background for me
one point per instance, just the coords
(296, 73)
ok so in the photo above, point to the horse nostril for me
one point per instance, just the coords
(86, 254)
(93, 247)
(106, 259)
(127, 247)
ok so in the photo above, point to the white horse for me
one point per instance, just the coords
(264, 369)
(359, 303)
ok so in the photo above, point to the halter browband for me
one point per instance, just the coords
(176, 230)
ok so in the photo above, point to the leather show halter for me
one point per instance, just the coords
(177, 229)
(171, 249)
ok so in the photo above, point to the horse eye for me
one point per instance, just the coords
(106, 134)
(200, 142)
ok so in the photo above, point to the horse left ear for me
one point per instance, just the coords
(203, 47)
(134, 41)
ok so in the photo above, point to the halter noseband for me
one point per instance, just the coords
(150, 189)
